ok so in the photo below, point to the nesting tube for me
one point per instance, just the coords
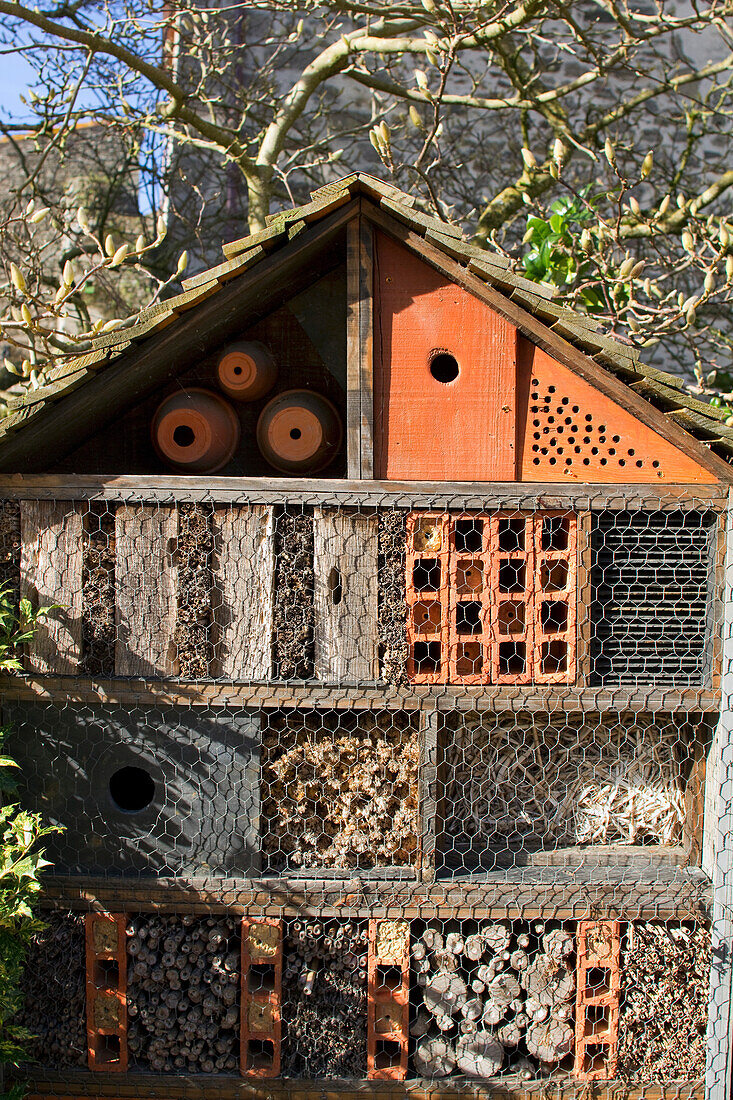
(195, 431)
(246, 370)
(299, 432)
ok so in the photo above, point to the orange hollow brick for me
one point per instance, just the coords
(261, 1013)
(388, 988)
(597, 1000)
(106, 963)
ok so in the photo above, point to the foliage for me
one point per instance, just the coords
(576, 248)
(21, 858)
(557, 256)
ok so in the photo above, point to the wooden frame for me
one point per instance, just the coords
(359, 349)
(76, 1086)
(556, 896)
(459, 495)
(717, 860)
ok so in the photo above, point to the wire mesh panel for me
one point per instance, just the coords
(388, 788)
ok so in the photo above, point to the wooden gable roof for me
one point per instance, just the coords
(120, 367)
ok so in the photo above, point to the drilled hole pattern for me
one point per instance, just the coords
(567, 437)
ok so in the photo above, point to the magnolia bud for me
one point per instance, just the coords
(17, 278)
(119, 255)
(415, 118)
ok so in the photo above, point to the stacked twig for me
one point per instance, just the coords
(183, 993)
(497, 997)
(340, 789)
(324, 999)
(526, 781)
(392, 606)
(98, 591)
(53, 983)
(194, 554)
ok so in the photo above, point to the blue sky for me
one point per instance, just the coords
(16, 76)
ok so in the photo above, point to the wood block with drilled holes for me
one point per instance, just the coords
(568, 431)
(345, 572)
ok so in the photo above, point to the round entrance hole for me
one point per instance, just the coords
(183, 435)
(295, 433)
(131, 789)
(444, 367)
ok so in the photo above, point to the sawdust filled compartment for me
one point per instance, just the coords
(98, 590)
(665, 978)
(530, 788)
(391, 596)
(339, 792)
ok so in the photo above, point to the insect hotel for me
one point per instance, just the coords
(385, 714)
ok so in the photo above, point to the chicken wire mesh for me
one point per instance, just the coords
(388, 788)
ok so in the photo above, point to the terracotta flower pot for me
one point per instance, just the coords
(195, 431)
(246, 370)
(299, 432)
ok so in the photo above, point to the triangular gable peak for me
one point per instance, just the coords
(461, 395)
(538, 395)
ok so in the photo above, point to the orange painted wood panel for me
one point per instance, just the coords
(568, 431)
(461, 429)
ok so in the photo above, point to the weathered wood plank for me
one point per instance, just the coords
(244, 592)
(616, 886)
(75, 1084)
(366, 346)
(331, 491)
(145, 575)
(444, 697)
(51, 561)
(353, 352)
(583, 618)
(428, 793)
(345, 570)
